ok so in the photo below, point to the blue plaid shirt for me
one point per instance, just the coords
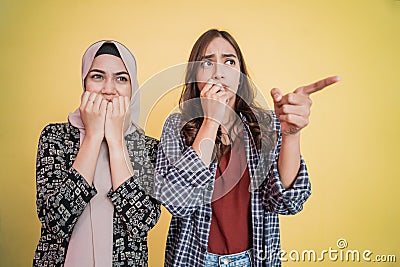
(184, 185)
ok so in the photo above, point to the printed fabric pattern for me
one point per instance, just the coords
(62, 195)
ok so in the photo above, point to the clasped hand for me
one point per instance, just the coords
(214, 100)
(102, 118)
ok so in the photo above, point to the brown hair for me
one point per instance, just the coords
(192, 112)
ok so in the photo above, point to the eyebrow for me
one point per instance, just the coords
(103, 72)
(97, 70)
(121, 73)
(213, 55)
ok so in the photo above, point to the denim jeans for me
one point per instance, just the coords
(242, 259)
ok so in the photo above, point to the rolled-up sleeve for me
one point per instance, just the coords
(290, 200)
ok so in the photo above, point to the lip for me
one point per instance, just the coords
(227, 88)
(216, 83)
(224, 85)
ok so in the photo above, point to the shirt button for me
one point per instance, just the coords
(209, 187)
(207, 218)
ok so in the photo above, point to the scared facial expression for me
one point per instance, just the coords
(220, 64)
(108, 76)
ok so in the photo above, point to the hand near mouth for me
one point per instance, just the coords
(115, 117)
(213, 101)
(93, 114)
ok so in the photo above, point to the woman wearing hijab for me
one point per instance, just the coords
(227, 167)
(94, 173)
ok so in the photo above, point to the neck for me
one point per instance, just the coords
(229, 121)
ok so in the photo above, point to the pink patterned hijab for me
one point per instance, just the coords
(91, 242)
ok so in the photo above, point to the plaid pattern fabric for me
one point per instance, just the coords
(63, 194)
(184, 185)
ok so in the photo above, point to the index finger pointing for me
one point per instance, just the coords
(317, 86)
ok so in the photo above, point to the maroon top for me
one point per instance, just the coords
(230, 230)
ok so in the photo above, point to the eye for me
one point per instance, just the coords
(230, 62)
(122, 79)
(96, 76)
(207, 64)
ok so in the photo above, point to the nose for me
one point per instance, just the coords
(218, 72)
(109, 87)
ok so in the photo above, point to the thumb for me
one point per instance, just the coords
(276, 95)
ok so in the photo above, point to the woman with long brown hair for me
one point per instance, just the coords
(226, 167)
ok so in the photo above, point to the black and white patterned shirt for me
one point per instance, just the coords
(62, 195)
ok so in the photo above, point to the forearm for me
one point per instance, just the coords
(62, 192)
(86, 160)
(138, 211)
(204, 142)
(61, 203)
(289, 159)
(120, 164)
(182, 197)
(182, 181)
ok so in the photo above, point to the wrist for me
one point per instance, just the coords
(210, 123)
(291, 138)
(94, 137)
(115, 144)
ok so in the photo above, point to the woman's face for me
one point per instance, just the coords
(108, 77)
(220, 63)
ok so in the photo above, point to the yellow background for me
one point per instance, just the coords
(351, 145)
